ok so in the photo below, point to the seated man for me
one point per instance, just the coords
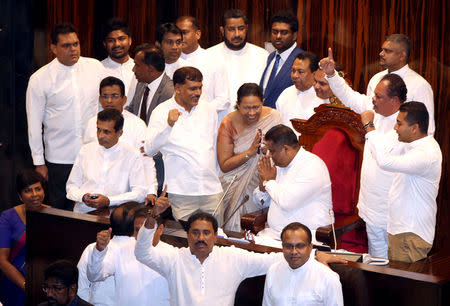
(297, 186)
(107, 172)
(298, 280)
(60, 285)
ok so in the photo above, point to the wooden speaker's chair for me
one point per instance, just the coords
(337, 136)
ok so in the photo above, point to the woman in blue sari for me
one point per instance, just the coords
(13, 236)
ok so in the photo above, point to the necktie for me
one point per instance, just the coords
(143, 113)
(274, 70)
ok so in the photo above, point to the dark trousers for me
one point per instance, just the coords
(57, 179)
(159, 165)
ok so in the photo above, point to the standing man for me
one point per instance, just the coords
(244, 62)
(117, 42)
(299, 280)
(276, 76)
(394, 58)
(61, 97)
(412, 197)
(214, 73)
(185, 131)
(300, 99)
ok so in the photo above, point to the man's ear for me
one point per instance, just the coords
(53, 48)
(73, 291)
(222, 31)
(157, 44)
(198, 34)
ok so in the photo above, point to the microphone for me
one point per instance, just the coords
(244, 200)
(331, 212)
(224, 194)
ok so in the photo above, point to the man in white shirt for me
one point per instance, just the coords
(170, 38)
(61, 97)
(134, 283)
(375, 183)
(112, 96)
(412, 196)
(300, 99)
(107, 172)
(296, 185)
(244, 62)
(394, 58)
(203, 274)
(117, 42)
(215, 79)
(299, 280)
(277, 74)
(185, 132)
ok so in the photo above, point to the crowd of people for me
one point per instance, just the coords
(207, 132)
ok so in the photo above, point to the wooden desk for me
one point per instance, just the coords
(54, 234)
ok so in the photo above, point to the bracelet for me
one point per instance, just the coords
(368, 124)
(246, 156)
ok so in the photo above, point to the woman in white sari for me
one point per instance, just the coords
(238, 141)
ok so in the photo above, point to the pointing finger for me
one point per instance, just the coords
(330, 54)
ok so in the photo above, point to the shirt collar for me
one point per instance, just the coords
(308, 91)
(197, 52)
(402, 71)
(111, 150)
(153, 86)
(419, 142)
(285, 54)
(115, 64)
(61, 66)
(235, 52)
(301, 269)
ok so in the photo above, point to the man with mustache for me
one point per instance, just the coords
(244, 62)
(61, 98)
(117, 42)
(276, 76)
(185, 132)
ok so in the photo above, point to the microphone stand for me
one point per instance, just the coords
(224, 194)
(244, 200)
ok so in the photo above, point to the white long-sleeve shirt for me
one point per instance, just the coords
(242, 66)
(135, 283)
(419, 90)
(301, 193)
(117, 173)
(134, 132)
(215, 80)
(412, 197)
(293, 103)
(188, 148)
(62, 99)
(100, 293)
(311, 284)
(121, 71)
(212, 283)
(171, 68)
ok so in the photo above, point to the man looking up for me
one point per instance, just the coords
(417, 171)
(276, 76)
(299, 100)
(61, 97)
(299, 279)
(394, 58)
(107, 172)
(214, 74)
(170, 38)
(117, 42)
(244, 62)
(185, 131)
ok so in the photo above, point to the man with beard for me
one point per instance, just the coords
(276, 76)
(185, 132)
(244, 62)
(117, 42)
(61, 285)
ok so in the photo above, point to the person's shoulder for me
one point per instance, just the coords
(215, 48)
(43, 71)
(90, 61)
(7, 213)
(135, 120)
(324, 271)
(257, 50)
(416, 77)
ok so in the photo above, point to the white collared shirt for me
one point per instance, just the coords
(214, 78)
(121, 71)
(62, 99)
(242, 66)
(188, 148)
(418, 90)
(100, 293)
(283, 57)
(134, 133)
(171, 68)
(311, 284)
(135, 283)
(117, 173)
(293, 103)
(412, 197)
(192, 283)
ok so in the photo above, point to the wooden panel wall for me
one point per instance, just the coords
(354, 29)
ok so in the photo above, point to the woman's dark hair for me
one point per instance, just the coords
(249, 89)
(28, 177)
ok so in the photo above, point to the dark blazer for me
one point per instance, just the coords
(76, 302)
(281, 81)
(163, 93)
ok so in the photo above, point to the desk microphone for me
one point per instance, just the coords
(244, 200)
(331, 212)
(224, 194)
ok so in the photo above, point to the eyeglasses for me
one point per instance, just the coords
(113, 96)
(57, 289)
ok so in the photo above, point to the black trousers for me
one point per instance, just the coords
(57, 179)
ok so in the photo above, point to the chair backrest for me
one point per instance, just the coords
(337, 136)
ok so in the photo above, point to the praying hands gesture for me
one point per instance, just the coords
(266, 170)
(327, 64)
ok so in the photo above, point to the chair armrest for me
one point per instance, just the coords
(342, 225)
(255, 221)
